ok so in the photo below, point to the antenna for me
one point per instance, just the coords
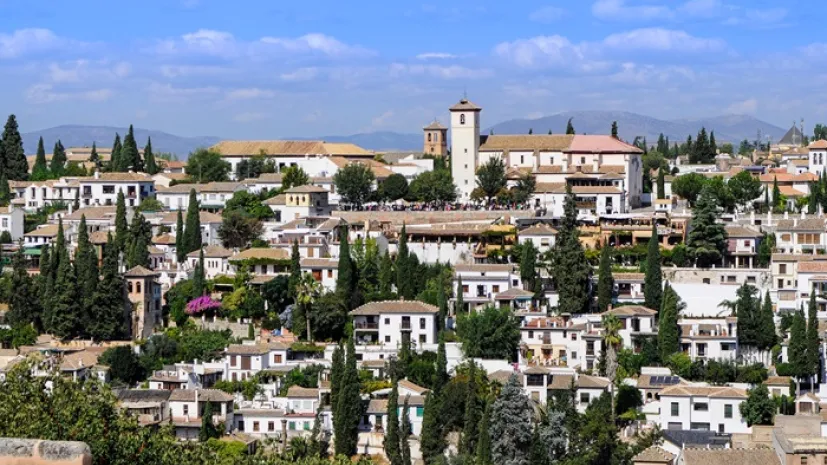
(465, 93)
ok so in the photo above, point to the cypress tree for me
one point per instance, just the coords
(813, 198)
(115, 158)
(349, 406)
(94, 158)
(442, 303)
(403, 273)
(130, 158)
(471, 417)
(459, 302)
(15, 164)
(653, 282)
(5, 190)
(45, 282)
(405, 430)
(192, 238)
(431, 440)
(569, 128)
(768, 334)
(66, 308)
(797, 349)
(208, 429)
(108, 308)
(23, 299)
(441, 376)
(86, 263)
(571, 270)
(614, 129)
(295, 270)
(661, 183)
(40, 171)
(669, 333)
(337, 368)
(121, 227)
(386, 276)
(713, 146)
(138, 253)
(511, 425)
(605, 282)
(813, 341)
(198, 278)
(528, 265)
(346, 280)
(391, 443)
(483, 456)
(150, 166)
(708, 238)
(404, 355)
(776, 194)
(58, 164)
(180, 249)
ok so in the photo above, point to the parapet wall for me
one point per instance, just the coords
(15, 451)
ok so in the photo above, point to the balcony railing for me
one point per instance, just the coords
(406, 325)
(366, 325)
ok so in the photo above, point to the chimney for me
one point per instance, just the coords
(283, 434)
(786, 215)
(803, 214)
(595, 165)
(97, 174)
(795, 222)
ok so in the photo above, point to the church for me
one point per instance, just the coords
(605, 173)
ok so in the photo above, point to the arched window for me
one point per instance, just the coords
(462, 118)
(138, 287)
(429, 137)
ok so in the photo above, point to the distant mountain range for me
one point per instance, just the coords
(728, 128)
(103, 136)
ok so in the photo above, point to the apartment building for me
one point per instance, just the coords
(385, 322)
(243, 361)
(705, 408)
(480, 283)
(710, 338)
(187, 407)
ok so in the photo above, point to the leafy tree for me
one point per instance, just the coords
(433, 187)
(124, 366)
(708, 238)
(491, 177)
(192, 229)
(570, 269)
(206, 165)
(394, 188)
(605, 282)
(471, 417)
(13, 157)
(511, 425)
(744, 188)
(765, 249)
(759, 408)
(249, 204)
(5, 192)
(294, 176)
(40, 171)
(346, 279)
(720, 191)
(688, 186)
(65, 303)
(86, 263)
(180, 248)
(492, 333)
(23, 308)
(386, 276)
(348, 410)
(813, 341)
(569, 128)
(669, 333)
(653, 282)
(150, 166)
(237, 230)
(526, 185)
(612, 342)
(140, 234)
(768, 336)
(354, 183)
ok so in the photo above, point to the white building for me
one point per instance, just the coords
(482, 282)
(187, 407)
(591, 201)
(38, 194)
(301, 201)
(11, 220)
(542, 236)
(323, 270)
(103, 188)
(817, 157)
(44, 234)
(214, 195)
(705, 408)
(216, 260)
(800, 235)
(539, 383)
(385, 322)
(210, 222)
(243, 361)
(635, 321)
(710, 338)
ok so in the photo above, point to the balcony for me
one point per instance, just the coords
(406, 326)
(366, 326)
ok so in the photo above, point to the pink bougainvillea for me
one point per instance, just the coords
(202, 304)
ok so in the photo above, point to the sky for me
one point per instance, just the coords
(268, 69)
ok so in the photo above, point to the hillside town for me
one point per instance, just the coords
(493, 298)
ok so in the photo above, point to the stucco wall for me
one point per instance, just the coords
(35, 452)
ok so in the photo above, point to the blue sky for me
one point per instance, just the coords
(273, 68)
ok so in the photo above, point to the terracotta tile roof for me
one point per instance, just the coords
(483, 267)
(435, 125)
(601, 144)
(99, 237)
(274, 178)
(559, 382)
(548, 322)
(763, 456)
(807, 224)
(788, 177)
(79, 360)
(704, 391)
(406, 384)
(395, 306)
(92, 213)
(631, 310)
(212, 251)
(377, 407)
(790, 191)
(550, 187)
(280, 199)
(174, 176)
(513, 293)
(819, 144)
(550, 143)
(179, 189)
(814, 266)
(204, 217)
(628, 277)
(269, 253)
(307, 189)
(139, 272)
(48, 230)
(221, 187)
(247, 349)
(654, 454)
(540, 229)
(164, 239)
(319, 263)
(117, 177)
(298, 391)
(592, 382)
(204, 395)
(741, 231)
(502, 376)
(274, 148)
(465, 105)
(778, 381)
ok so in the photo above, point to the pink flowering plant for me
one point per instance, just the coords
(202, 304)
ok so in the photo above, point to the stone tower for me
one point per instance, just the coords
(436, 139)
(465, 145)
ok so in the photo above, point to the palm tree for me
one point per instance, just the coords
(612, 342)
(307, 291)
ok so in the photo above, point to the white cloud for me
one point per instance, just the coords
(614, 10)
(758, 17)
(442, 72)
(300, 75)
(548, 14)
(748, 106)
(166, 92)
(203, 41)
(26, 41)
(248, 117)
(45, 93)
(250, 93)
(660, 39)
(435, 56)
(177, 71)
(84, 71)
(313, 43)
(382, 119)
(541, 51)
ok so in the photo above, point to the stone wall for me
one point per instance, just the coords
(36, 452)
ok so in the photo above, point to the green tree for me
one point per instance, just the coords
(237, 230)
(206, 165)
(797, 350)
(432, 441)
(511, 425)
(768, 336)
(115, 157)
(124, 366)
(307, 291)
(346, 280)
(492, 333)
(614, 130)
(23, 308)
(130, 158)
(569, 128)
(86, 263)
(491, 177)
(13, 157)
(294, 176)
(459, 303)
(745, 188)
(354, 183)
(180, 248)
(570, 268)
(433, 188)
(405, 431)
(5, 192)
(391, 442)
(653, 282)
(471, 416)
(526, 185)
(337, 369)
(192, 229)
(150, 166)
(40, 171)
(708, 238)
(689, 186)
(759, 408)
(65, 303)
(58, 163)
(612, 342)
(198, 279)
(208, 429)
(386, 276)
(108, 304)
(720, 191)
(813, 340)
(483, 455)
(348, 410)
(295, 268)
(765, 250)
(778, 200)
(441, 375)
(121, 228)
(394, 188)
(605, 282)
(94, 157)
(669, 333)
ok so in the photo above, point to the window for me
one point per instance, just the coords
(329, 273)
(582, 160)
(420, 411)
(699, 426)
(422, 323)
(429, 137)
(291, 426)
(573, 336)
(271, 426)
(255, 426)
(676, 409)
(531, 334)
(464, 288)
(108, 189)
(387, 339)
(138, 287)
(5, 223)
(574, 355)
(522, 159)
(721, 428)
(585, 397)
(387, 321)
(276, 358)
(129, 286)
(186, 410)
(782, 268)
(462, 118)
(701, 407)
(496, 288)
(803, 460)
(233, 361)
(728, 411)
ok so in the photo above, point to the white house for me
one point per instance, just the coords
(705, 408)
(210, 222)
(323, 270)
(800, 235)
(11, 220)
(243, 361)
(542, 236)
(385, 322)
(216, 260)
(591, 201)
(635, 321)
(539, 383)
(214, 195)
(482, 282)
(103, 188)
(176, 197)
(44, 234)
(38, 194)
(301, 201)
(710, 338)
(817, 157)
(187, 407)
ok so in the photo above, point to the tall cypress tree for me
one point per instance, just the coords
(94, 157)
(16, 166)
(66, 307)
(661, 184)
(776, 195)
(405, 430)
(386, 276)
(208, 430)
(109, 320)
(130, 158)
(605, 282)
(797, 348)
(121, 227)
(45, 282)
(86, 264)
(431, 440)
(471, 417)
(150, 166)
(569, 128)
(403, 273)
(653, 282)
(58, 164)
(180, 249)
(511, 425)
(348, 411)
(198, 278)
(528, 265)
(571, 269)
(441, 377)
(295, 271)
(40, 171)
(442, 303)
(346, 280)
(391, 443)
(768, 333)
(337, 369)
(813, 341)
(669, 333)
(23, 299)
(459, 302)
(5, 190)
(115, 158)
(614, 130)
(483, 456)
(192, 230)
